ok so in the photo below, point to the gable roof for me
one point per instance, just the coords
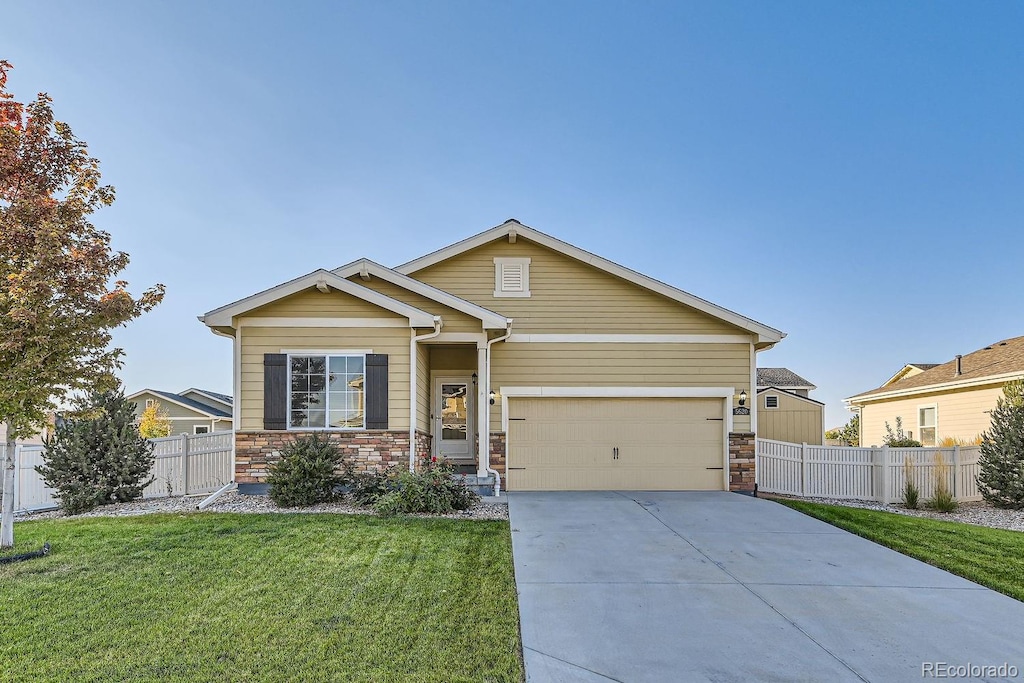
(183, 401)
(781, 377)
(765, 334)
(790, 394)
(902, 372)
(222, 398)
(490, 319)
(320, 278)
(997, 362)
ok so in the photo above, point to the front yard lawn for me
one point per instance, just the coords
(991, 557)
(270, 597)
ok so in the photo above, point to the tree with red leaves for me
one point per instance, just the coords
(59, 299)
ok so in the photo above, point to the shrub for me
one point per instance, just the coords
(98, 457)
(1001, 463)
(431, 489)
(898, 438)
(911, 494)
(307, 472)
(942, 500)
(366, 487)
(950, 441)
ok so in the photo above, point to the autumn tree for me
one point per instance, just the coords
(154, 422)
(59, 296)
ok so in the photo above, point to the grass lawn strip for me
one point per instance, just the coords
(990, 557)
(261, 598)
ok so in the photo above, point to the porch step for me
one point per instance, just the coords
(484, 486)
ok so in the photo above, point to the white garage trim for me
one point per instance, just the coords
(724, 393)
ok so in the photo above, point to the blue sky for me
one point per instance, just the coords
(851, 173)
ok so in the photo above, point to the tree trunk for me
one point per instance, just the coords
(9, 472)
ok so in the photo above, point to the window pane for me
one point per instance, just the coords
(317, 399)
(454, 412)
(339, 418)
(299, 418)
(337, 364)
(317, 365)
(927, 436)
(300, 383)
(317, 418)
(927, 417)
(355, 365)
(317, 383)
(300, 364)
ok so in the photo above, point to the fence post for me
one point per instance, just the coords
(803, 469)
(956, 470)
(18, 455)
(885, 474)
(184, 464)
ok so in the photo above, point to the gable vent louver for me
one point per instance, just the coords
(512, 277)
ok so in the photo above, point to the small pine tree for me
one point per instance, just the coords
(98, 457)
(154, 422)
(1001, 464)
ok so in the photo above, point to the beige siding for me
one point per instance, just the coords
(453, 358)
(257, 341)
(423, 387)
(621, 365)
(794, 420)
(454, 321)
(567, 296)
(962, 414)
(312, 303)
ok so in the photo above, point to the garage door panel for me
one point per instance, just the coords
(663, 444)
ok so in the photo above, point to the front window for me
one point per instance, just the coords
(926, 425)
(326, 392)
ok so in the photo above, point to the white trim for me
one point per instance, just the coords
(457, 337)
(630, 338)
(610, 392)
(499, 276)
(321, 351)
(860, 399)
(490, 319)
(925, 406)
(765, 334)
(320, 278)
(753, 398)
(323, 322)
(724, 393)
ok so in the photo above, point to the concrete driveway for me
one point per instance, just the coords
(715, 586)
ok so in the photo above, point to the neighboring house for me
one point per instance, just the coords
(786, 412)
(193, 411)
(590, 375)
(952, 399)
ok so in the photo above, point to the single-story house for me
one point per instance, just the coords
(538, 365)
(952, 399)
(193, 411)
(786, 412)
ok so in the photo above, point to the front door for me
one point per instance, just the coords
(453, 418)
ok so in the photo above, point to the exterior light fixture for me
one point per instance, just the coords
(743, 397)
(492, 396)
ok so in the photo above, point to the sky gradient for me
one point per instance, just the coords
(850, 173)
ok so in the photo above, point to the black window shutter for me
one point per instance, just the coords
(275, 391)
(376, 391)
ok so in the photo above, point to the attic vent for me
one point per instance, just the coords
(511, 277)
(771, 401)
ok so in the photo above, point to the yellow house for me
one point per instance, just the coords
(514, 355)
(951, 399)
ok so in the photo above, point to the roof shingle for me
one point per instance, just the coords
(781, 378)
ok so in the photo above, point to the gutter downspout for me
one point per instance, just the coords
(413, 380)
(487, 410)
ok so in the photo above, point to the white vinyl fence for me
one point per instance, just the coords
(184, 465)
(875, 473)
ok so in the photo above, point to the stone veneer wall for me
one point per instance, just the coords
(498, 453)
(367, 450)
(742, 460)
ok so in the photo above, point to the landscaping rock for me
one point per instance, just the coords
(977, 513)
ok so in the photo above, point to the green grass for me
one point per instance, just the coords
(261, 598)
(991, 557)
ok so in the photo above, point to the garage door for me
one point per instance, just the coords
(640, 444)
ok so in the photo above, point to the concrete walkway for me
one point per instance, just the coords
(714, 586)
